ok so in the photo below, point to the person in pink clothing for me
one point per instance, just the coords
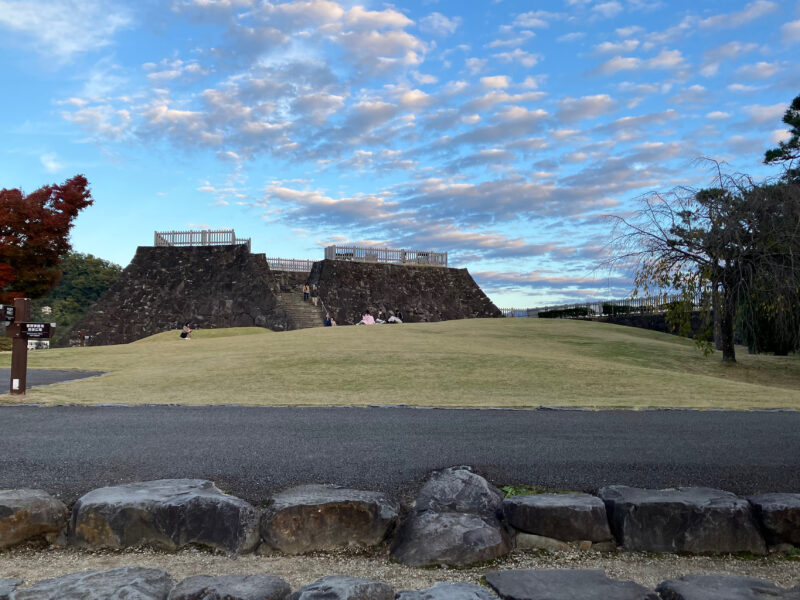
(366, 319)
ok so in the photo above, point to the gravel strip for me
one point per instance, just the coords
(32, 564)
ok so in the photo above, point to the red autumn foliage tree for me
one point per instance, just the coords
(34, 235)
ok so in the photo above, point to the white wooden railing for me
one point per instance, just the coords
(387, 255)
(204, 237)
(638, 305)
(290, 264)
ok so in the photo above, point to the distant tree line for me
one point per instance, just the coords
(36, 258)
(84, 278)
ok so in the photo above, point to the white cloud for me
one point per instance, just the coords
(476, 65)
(718, 115)
(371, 19)
(780, 135)
(790, 32)
(50, 162)
(496, 81)
(616, 47)
(608, 9)
(666, 59)
(619, 63)
(571, 37)
(526, 59)
(749, 13)
(741, 88)
(574, 109)
(439, 24)
(760, 70)
(414, 99)
(424, 78)
(693, 94)
(534, 19)
(61, 29)
(765, 114)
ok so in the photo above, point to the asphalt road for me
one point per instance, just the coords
(253, 452)
(44, 377)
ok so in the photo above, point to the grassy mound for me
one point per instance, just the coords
(470, 363)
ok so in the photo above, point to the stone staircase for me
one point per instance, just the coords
(304, 314)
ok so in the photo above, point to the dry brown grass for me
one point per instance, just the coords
(471, 363)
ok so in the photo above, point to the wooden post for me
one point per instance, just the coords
(19, 346)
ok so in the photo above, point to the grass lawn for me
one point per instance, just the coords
(470, 363)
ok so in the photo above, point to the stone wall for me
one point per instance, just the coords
(227, 286)
(457, 518)
(422, 294)
(211, 286)
(289, 282)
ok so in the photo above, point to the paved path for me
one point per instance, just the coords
(253, 452)
(44, 377)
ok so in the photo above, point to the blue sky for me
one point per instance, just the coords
(503, 132)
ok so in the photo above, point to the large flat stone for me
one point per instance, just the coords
(694, 520)
(167, 514)
(322, 517)
(458, 489)
(454, 539)
(448, 591)
(28, 514)
(231, 587)
(724, 587)
(340, 587)
(779, 515)
(566, 517)
(7, 586)
(564, 584)
(125, 583)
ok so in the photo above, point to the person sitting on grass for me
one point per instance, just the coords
(186, 331)
(367, 319)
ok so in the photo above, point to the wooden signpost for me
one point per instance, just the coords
(20, 330)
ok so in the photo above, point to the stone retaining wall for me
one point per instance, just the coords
(227, 286)
(162, 288)
(421, 294)
(457, 519)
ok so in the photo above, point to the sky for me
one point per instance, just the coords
(504, 132)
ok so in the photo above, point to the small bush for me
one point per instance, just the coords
(566, 313)
(618, 309)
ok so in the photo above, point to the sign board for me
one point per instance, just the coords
(35, 331)
(6, 313)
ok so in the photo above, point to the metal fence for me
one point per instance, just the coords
(204, 237)
(290, 264)
(387, 255)
(603, 308)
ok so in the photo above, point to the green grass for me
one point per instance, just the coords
(484, 362)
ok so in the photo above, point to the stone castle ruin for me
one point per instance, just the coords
(211, 279)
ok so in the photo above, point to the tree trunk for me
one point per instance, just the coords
(726, 324)
(716, 316)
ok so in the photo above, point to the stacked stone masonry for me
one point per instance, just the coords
(457, 518)
(227, 286)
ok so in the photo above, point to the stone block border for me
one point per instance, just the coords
(458, 519)
(512, 584)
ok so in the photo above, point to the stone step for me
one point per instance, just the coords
(303, 312)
